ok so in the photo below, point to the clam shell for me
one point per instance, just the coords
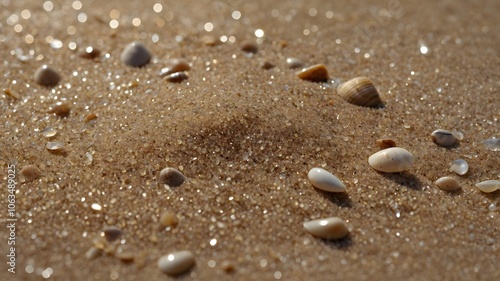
(329, 228)
(176, 263)
(322, 179)
(444, 138)
(391, 160)
(360, 91)
(488, 186)
(447, 183)
(315, 73)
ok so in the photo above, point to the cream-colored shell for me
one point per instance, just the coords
(360, 91)
(325, 180)
(444, 138)
(447, 183)
(391, 160)
(329, 228)
(176, 263)
(488, 186)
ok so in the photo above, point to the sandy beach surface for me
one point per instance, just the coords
(245, 136)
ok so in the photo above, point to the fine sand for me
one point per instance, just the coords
(245, 137)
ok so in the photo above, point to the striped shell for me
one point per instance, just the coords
(360, 91)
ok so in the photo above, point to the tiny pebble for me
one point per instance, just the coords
(385, 143)
(294, 63)
(488, 186)
(444, 138)
(90, 53)
(55, 146)
(325, 180)
(111, 233)
(49, 132)
(47, 76)
(168, 219)
(176, 77)
(249, 47)
(315, 73)
(492, 144)
(61, 109)
(447, 183)
(174, 65)
(171, 177)
(329, 228)
(135, 54)
(31, 172)
(391, 160)
(459, 166)
(176, 263)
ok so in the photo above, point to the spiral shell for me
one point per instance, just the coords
(360, 91)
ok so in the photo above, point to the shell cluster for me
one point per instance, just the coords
(360, 91)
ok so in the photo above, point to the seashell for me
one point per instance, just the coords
(329, 228)
(324, 180)
(174, 65)
(447, 183)
(315, 73)
(460, 167)
(488, 186)
(55, 146)
(267, 65)
(294, 63)
(444, 138)
(249, 47)
(360, 91)
(171, 177)
(492, 144)
(176, 77)
(176, 263)
(135, 54)
(391, 160)
(31, 172)
(111, 233)
(61, 109)
(46, 76)
(90, 53)
(386, 143)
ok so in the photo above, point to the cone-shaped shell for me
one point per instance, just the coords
(360, 91)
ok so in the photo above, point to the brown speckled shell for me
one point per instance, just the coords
(360, 91)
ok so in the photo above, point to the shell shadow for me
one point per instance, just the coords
(405, 179)
(340, 244)
(492, 195)
(340, 199)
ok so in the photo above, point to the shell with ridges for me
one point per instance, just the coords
(360, 91)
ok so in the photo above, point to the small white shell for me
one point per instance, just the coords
(325, 180)
(360, 91)
(460, 167)
(176, 263)
(447, 183)
(391, 160)
(135, 54)
(489, 186)
(444, 138)
(329, 228)
(171, 177)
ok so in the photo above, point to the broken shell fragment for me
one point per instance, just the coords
(171, 177)
(315, 73)
(324, 180)
(47, 76)
(391, 160)
(135, 54)
(174, 65)
(444, 138)
(176, 263)
(386, 143)
(459, 167)
(329, 228)
(176, 77)
(360, 91)
(447, 183)
(489, 186)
